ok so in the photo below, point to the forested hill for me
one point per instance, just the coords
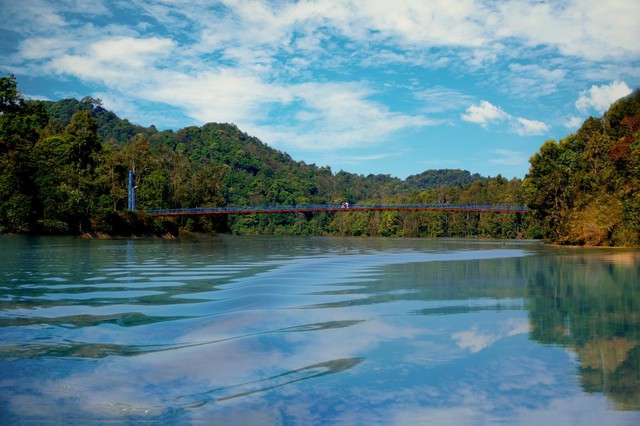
(110, 126)
(432, 179)
(585, 189)
(248, 160)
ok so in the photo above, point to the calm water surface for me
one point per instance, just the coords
(243, 330)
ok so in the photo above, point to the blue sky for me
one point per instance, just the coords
(370, 86)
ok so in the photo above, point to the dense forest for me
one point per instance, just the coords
(585, 189)
(64, 168)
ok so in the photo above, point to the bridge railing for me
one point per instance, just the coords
(339, 207)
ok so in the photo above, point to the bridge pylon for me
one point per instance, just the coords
(131, 205)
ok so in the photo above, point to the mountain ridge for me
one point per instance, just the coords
(113, 128)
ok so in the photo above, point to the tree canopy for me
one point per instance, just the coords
(585, 189)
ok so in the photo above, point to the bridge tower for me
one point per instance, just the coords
(132, 191)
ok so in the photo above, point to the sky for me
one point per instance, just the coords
(367, 86)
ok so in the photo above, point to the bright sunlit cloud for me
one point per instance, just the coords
(599, 98)
(484, 113)
(525, 127)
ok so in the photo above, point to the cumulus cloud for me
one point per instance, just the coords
(486, 113)
(524, 127)
(596, 99)
(600, 98)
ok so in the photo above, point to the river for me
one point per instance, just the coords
(314, 330)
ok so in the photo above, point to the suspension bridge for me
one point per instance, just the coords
(345, 207)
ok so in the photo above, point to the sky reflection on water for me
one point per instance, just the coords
(317, 330)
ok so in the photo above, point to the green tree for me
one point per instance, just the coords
(52, 176)
(84, 142)
(389, 224)
(20, 123)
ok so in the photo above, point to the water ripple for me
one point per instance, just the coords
(270, 383)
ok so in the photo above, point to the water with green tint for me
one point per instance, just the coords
(292, 330)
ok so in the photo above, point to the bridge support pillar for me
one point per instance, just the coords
(132, 191)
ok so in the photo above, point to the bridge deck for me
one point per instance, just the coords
(340, 208)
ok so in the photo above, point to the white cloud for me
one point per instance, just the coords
(39, 48)
(347, 106)
(600, 98)
(484, 113)
(118, 62)
(573, 122)
(587, 29)
(434, 23)
(338, 115)
(131, 52)
(223, 95)
(524, 127)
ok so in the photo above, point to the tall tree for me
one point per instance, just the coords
(20, 122)
(84, 142)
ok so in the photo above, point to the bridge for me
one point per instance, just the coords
(482, 208)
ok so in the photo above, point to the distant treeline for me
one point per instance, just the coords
(64, 168)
